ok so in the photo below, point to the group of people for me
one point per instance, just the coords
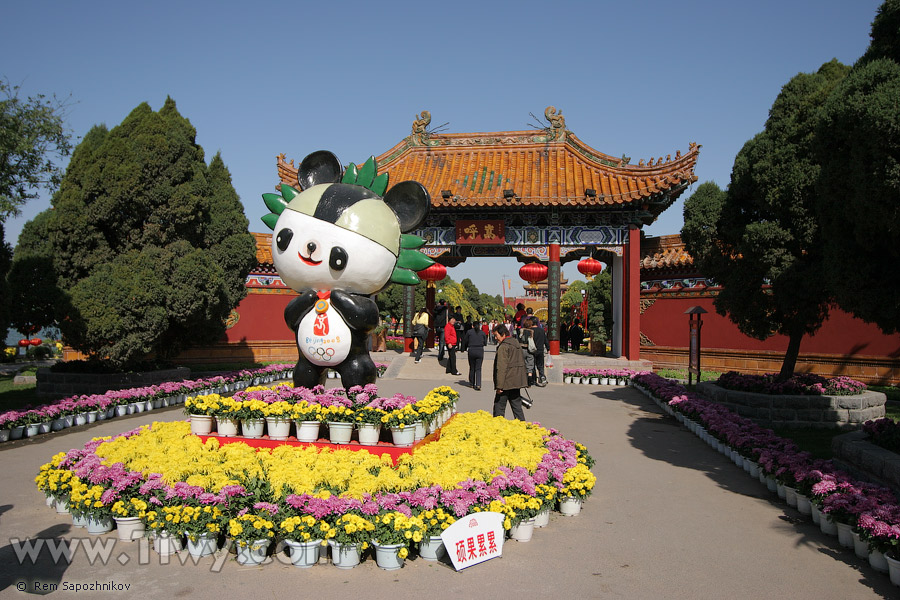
(571, 333)
(521, 345)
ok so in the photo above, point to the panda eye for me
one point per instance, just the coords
(338, 260)
(284, 239)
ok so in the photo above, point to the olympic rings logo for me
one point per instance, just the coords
(320, 353)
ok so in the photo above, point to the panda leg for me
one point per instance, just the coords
(307, 374)
(357, 370)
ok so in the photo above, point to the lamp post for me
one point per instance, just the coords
(694, 348)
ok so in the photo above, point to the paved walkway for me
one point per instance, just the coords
(669, 518)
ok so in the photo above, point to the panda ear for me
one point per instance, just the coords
(411, 202)
(321, 166)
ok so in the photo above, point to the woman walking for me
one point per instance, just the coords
(420, 331)
(473, 343)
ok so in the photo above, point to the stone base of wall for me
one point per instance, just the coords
(866, 461)
(876, 370)
(826, 412)
(53, 386)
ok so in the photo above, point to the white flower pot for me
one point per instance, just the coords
(878, 561)
(304, 554)
(845, 534)
(129, 528)
(226, 427)
(204, 545)
(404, 436)
(523, 531)
(339, 433)
(166, 543)
(570, 507)
(432, 548)
(201, 424)
(542, 519)
(279, 427)
(307, 431)
(253, 428)
(99, 525)
(860, 546)
(368, 433)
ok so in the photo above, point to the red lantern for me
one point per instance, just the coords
(589, 267)
(533, 272)
(435, 272)
(23, 342)
(36, 341)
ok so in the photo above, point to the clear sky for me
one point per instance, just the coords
(643, 79)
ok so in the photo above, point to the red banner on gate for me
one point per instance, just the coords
(480, 232)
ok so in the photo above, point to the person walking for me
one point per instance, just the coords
(541, 344)
(457, 314)
(576, 335)
(452, 341)
(509, 375)
(473, 343)
(526, 341)
(440, 321)
(420, 331)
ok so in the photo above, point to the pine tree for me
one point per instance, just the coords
(149, 244)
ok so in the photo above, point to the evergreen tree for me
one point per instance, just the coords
(858, 145)
(32, 138)
(149, 244)
(760, 240)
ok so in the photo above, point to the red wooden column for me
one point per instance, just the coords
(631, 290)
(553, 297)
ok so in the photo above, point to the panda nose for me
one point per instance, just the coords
(310, 248)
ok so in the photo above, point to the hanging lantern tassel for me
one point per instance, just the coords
(589, 267)
(432, 274)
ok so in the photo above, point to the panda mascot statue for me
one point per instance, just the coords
(338, 242)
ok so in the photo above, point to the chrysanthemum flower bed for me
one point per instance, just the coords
(871, 511)
(801, 384)
(168, 477)
(598, 376)
(82, 409)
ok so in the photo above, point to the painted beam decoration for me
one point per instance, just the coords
(337, 242)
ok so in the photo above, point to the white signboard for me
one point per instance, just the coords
(473, 539)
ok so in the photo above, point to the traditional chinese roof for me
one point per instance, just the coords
(541, 168)
(264, 262)
(664, 253)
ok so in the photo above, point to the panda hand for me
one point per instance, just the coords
(298, 307)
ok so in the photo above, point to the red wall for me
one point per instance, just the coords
(665, 323)
(261, 318)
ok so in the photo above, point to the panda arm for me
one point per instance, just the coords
(298, 307)
(359, 312)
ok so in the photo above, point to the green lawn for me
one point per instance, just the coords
(14, 397)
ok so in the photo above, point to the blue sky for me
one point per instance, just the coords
(642, 79)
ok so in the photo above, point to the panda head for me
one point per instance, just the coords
(345, 236)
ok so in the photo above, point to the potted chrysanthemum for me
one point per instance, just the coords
(435, 521)
(201, 525)
(368, 424)
(349, 535)
(392, 537)
(252, 532)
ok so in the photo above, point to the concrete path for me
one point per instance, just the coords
(669, 518)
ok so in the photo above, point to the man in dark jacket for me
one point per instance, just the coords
(510, 375)
(440, 320)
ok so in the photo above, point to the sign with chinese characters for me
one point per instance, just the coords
(473, 539)
(480, 232)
